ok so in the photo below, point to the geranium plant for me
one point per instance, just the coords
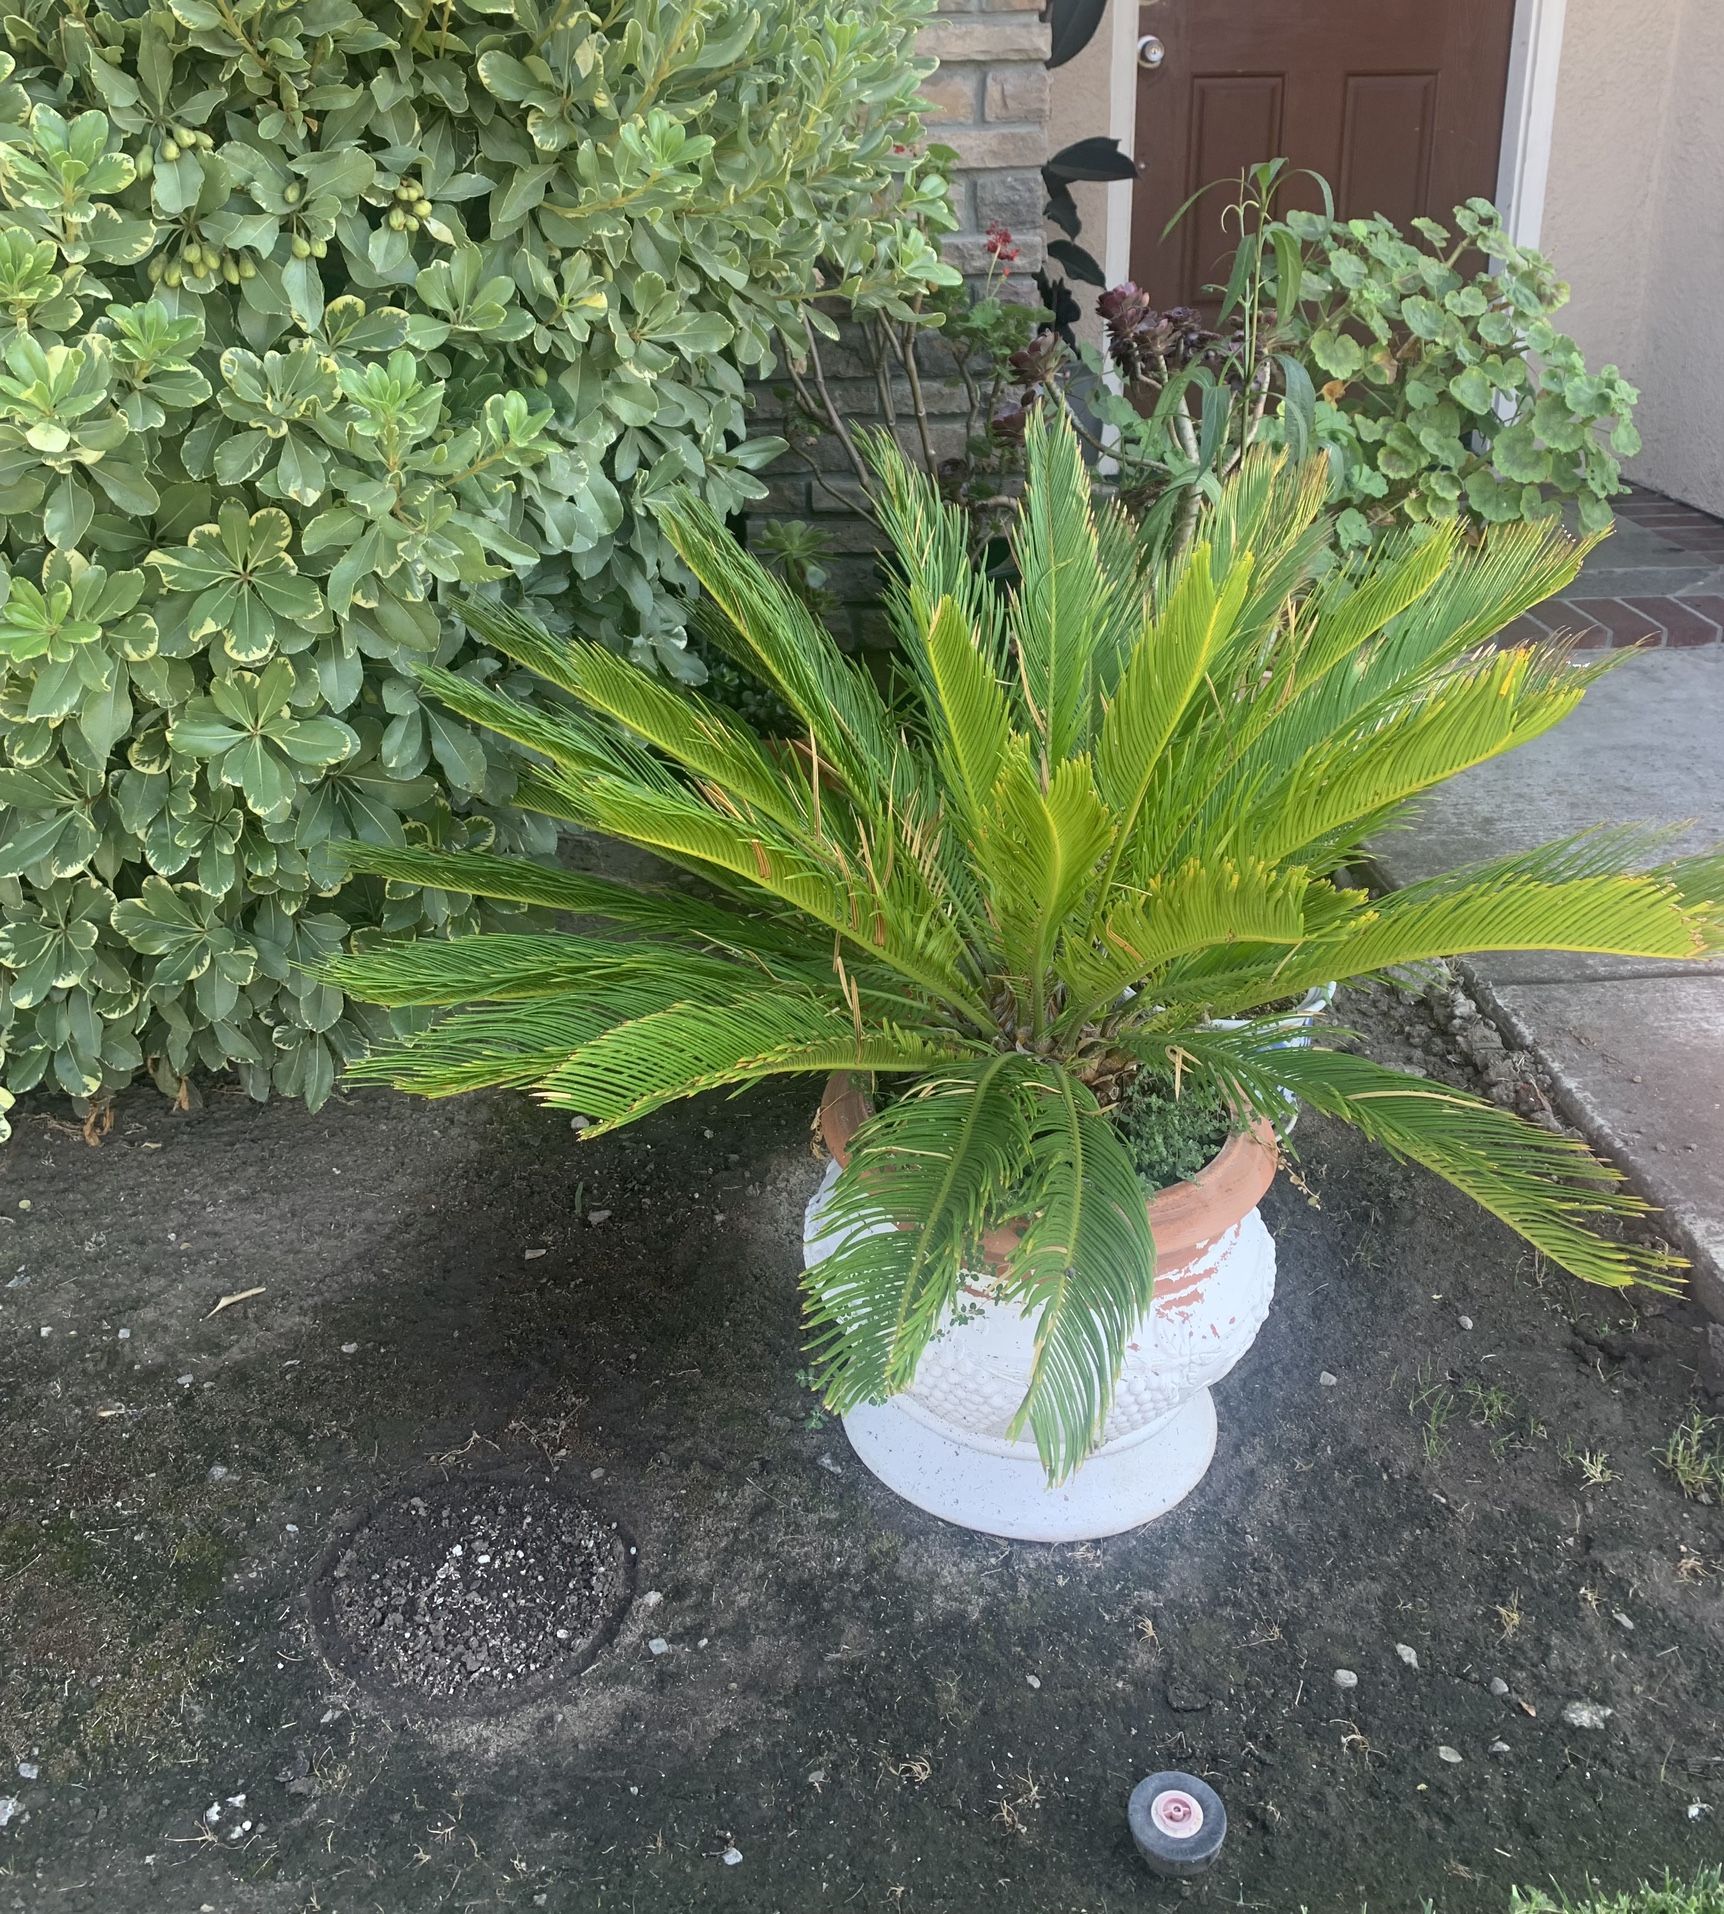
(1114, 808)
(1427, 364)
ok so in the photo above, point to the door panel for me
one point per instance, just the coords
(1230, 115)
(1388, 134)
(1397, 103)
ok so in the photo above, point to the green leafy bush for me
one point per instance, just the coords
(1428, 368)
(1448, 389)
(308, 313)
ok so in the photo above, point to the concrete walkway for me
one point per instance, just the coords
(1636, 1049)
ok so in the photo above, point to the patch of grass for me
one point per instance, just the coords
(1694, 1456)
(140, 1705)
(1592, 1465)
(1489, 1405)
(1433, 1403)
(200, 1561)
(1703, 1895)
(109, 1642)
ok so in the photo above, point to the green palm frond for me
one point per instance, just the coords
(514, 880)
(1086, 1268)
(737, 1037)
(1101, 810)
(1041, 855)
(499, 965)
(1620, 916)
(930, 541)
(773, 634)
(1168, 665)
(1548, 1188)
(1466, 717)
(1067, 606)
(926, 1177)
(682, 726)
(969, 714)
(569, 739)
(1643, 915)
(508, 1046)
(1351, 607)
(1271, 513)
(1221, 906)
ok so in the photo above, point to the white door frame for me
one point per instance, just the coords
(1529, 116)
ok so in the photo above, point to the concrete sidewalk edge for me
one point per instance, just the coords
(1673, 1220)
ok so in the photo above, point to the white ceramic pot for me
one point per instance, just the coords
(1314, 1004)
(942, 1443)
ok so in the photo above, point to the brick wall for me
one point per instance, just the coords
(988, 101)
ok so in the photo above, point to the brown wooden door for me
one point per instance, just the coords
(1397, 103)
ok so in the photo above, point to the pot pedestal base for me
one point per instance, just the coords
(1000, 1488)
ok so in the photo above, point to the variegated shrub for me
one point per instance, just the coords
(311, 310)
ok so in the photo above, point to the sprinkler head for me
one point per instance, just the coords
(1178, 1823)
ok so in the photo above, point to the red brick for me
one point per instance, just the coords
(1707, 608)
(1683, 624)
(1525, 630)
(1625, 625)
(1575, 623)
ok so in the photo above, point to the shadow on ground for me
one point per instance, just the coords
(874, 1710)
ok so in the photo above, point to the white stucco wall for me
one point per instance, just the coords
(1096, 93)
(1634, 220)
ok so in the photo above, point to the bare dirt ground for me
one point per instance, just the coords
(853, 1706)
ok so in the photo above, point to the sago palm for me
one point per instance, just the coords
(1111, 805)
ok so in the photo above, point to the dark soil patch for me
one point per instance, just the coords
(475, 1594)
(845, 1699)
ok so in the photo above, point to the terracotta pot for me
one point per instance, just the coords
(1185, 1218)
(942, 1442)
